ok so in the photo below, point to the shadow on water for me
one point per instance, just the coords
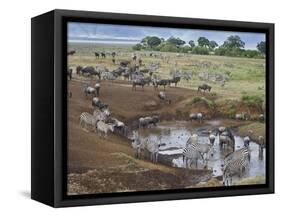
(175, 135)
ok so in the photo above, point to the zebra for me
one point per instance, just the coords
(153, 149)
(88, 119)
(104, 128)
(192, 155)
(206, 150)
(243, 153)
(235, 167)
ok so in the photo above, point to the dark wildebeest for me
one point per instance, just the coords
(71, 52)
(69, 74)
(140, 62)
(96, 102)
(88, 71)
(196, 116)
(113, 54)
(162, 82)
(118, 72)
(175, 80)
(102, 55)
(97, 55)
(138, 82)
(204, 87)
(147, 121)
(113, 60)
(124, 63)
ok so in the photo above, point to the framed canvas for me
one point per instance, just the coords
(133, 108)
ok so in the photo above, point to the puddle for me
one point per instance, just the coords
(175, 135)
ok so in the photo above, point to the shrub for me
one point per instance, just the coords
(253, 100)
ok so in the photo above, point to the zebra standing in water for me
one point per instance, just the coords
(192, 155)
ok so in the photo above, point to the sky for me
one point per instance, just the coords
(134, 34)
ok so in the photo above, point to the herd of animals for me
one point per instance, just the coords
(102, 122)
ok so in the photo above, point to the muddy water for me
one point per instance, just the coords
(175, 135)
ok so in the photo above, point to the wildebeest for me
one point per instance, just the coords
(97, 55)
(124, 63)
(242, 116)
(97, 87)
(162, 96)
(88, 90)
(196, 116)
(88, 71)
(69, 73)
(104, 128)
(113, 54)
(174, 80)
(138, 82)
(96, 102)
(113, 60)
(71, 52)
(204, 87)
(102, 54)
(162, 82)
(147, 121)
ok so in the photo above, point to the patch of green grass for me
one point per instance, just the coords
(252, 100)
(208, 102)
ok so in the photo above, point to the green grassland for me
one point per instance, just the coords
(247, 75)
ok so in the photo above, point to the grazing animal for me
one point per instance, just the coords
(246, 141)
(69, 73)
(196, 116)
(124, 63)
(153, 150)
(243, 116)
(103, 55)
(119, 126)
(204, 149)
(88, 71)
(204, 87)
(174, 80)
(162, 82)
(97, 55)
(113, 54)
(193, 139)
(88, 119)
(147, 121)
(104, 128)
(90, 91)
(226, 132)
(261, 143)
(113, 60)
(191, 155)
(137, 145)
(138, 82)
(71, 52)
(235, 167)
(212, 138)
(162, 96)
(97, 87)
(226, 141)
(96, 102)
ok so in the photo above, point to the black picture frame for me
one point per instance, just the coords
(49, 116)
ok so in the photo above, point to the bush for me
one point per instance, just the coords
(208, 102)
(168, 48)
(200, 50)
(255, 101)
(137, 47)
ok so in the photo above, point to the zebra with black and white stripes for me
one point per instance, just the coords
(235, 167)
(191, 155)
(205, 149)
(87, 119)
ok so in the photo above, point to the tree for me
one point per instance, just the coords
(137, 47)
(213, 44)
(233, 41)
(203, 42)
(175, 41)
(261, 47)
(153, 41)
(191, 43)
